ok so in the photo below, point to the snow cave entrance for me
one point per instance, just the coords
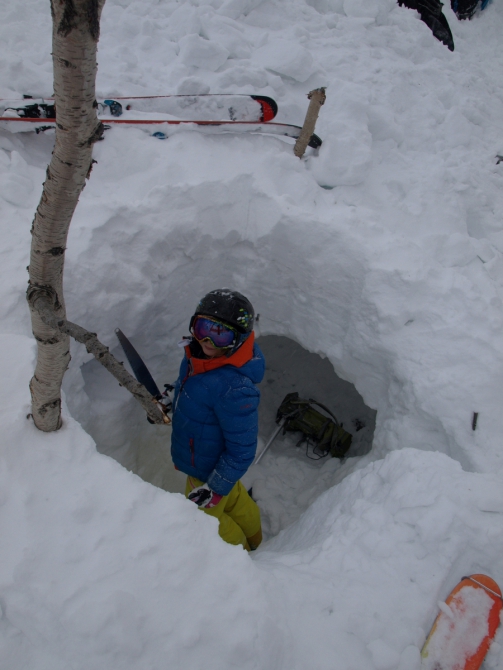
(286, 481)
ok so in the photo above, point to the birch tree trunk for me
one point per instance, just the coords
(75, 37)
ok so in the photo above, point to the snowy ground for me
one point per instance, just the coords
(383, 252)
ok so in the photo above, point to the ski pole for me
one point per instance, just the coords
(270, 441)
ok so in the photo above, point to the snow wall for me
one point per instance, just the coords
(163, 222)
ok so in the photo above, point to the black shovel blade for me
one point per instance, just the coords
(139, 368)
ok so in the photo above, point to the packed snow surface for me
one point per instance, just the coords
(382, 251)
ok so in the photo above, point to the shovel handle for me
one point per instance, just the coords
(270, 441)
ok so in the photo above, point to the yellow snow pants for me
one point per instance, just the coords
(237, 513)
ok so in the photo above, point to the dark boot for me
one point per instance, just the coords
(464, 9)
(431, 14)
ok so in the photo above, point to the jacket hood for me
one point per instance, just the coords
(254, 369)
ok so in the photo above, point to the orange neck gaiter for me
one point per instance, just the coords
(238, 358)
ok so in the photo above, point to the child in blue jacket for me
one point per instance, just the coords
(215, 413)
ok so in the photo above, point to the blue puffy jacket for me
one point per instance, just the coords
(215, 417)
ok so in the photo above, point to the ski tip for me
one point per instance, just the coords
(315, 142)
(269, 107)
(485, 582)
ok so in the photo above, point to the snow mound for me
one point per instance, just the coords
(200, 53)
(287, 59)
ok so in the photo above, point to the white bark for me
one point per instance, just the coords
(75, 37)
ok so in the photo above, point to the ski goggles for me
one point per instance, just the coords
(220, 335)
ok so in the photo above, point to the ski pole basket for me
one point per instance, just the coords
(324, 432)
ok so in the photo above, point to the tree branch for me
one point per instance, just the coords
(42, 299)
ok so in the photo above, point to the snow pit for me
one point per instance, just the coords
(290, 368)
(289, 477)
(287, 480)
(199, 212)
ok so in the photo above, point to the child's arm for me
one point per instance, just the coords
(237, 413)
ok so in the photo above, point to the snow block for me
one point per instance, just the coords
(368, 9)
(198, 52)
(344, 159)
(17, 186)
(287, 59)
(235, 8)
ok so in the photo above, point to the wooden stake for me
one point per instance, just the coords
(317, 98)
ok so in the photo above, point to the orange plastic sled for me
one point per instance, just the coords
(465, 627)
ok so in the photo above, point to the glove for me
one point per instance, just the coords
(204, 497)
(164, 404)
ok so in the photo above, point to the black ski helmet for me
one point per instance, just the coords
(230, 307)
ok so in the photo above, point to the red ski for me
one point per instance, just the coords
(210, 107)
(465, 627)
(248, 114)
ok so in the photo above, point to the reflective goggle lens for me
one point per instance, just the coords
(219, 335)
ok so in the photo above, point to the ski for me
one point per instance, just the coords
(465, 627)
(163, 128)
(210, 107)
(243, 114)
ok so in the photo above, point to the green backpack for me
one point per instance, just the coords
(325, 433)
